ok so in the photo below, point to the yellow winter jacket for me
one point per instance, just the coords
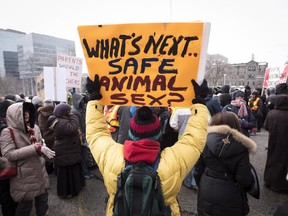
(175, 162)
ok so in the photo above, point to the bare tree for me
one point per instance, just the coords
(215, 72)
(10, 85)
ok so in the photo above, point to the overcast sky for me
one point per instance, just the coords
(238, 28)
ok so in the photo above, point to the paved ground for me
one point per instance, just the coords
(90, 201)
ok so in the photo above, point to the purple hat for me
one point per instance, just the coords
(62, 109)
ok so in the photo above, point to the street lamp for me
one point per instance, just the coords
(225, 79)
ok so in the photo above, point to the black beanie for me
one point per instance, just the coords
(281, 88)
(4, 106)
(225, 89)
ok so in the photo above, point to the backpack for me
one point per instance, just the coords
(139, 191)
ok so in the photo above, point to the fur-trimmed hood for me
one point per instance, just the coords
(218, 134)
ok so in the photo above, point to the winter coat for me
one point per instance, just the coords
(251, 122)
(277, 161)
(220, 166)
(43, 114)
(175, 161)
(67, 145)
(32, 178)
(80, 112)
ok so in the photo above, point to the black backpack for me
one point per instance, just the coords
(139, 192)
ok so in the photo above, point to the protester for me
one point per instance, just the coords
(8, 205)
(247, 93)
(270, 101)
(70, 179)
(175, 161)
(44, 113)
(223, 170)
(25, 149)
(213, 103)
(118, 118)
(239, 107)
(178, 122)
(168, 135)
(79, 109)
(225, 97)
(37, 102)
(256, 105)
(277, 161)
(281, 88)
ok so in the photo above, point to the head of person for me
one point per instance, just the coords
(225, 88)
(271, 91)
(281, 88)
(48, 102)
(62, 110)
(239, 95)
(145, 125)
(226, 118)
(247, 91)
(4, 106)
(255, 94)
(37, 102)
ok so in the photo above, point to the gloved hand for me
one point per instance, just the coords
(243, 123)
(48, 152)
(201, 92)
(93, 88)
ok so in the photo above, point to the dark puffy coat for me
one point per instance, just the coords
(277, 161)
(219, 195)
(67, 142)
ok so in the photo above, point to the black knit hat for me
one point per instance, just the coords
(4, 106)
(281, 88)
(145, 125)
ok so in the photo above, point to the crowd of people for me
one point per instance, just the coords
(204, 147)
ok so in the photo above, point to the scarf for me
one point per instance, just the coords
(141, 150)
(31, 134)
(242, 113)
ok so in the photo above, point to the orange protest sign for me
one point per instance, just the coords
(146, 64)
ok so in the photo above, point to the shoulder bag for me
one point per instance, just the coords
(10, 169)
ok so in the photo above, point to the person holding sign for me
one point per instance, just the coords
(143, 145)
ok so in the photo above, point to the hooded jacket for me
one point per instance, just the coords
(80, 111)
(223, 163)
(32, 178)
(277, 161)
(175, 161)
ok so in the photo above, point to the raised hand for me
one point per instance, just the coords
(93, 88)
(201, 92)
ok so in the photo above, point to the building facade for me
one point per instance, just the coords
(219, 72)
(241, 74)
(36, 51)
(23, 56)
(8, 52)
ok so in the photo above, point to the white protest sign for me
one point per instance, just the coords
(53, 83)
(73, 67)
